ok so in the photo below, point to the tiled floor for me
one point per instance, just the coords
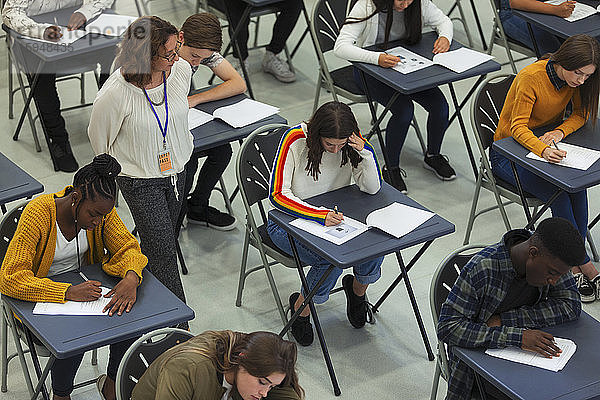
(386, 360)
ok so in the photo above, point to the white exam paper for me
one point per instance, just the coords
(198, 117)
(410, 62)
(580, 11)
(110, 24)
(555, 364)
(577, 157)
(67, 37)
(398, 219)
(244, 112)
(337, 234)
(75, 307)
(461, 59)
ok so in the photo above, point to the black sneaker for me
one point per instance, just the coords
(301, 328)
(596, 283)
(398, 173)
(356, 306)
(210, 217)
(587, 289)
(440, 167)
(63, 157)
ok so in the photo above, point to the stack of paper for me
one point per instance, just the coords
(198, 117)
(74, 307)
(577, 157)
(555, 364)
(580, 11)
(398, 219)
(461, 60)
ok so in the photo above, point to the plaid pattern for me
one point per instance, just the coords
(477, 293)
(556, 81)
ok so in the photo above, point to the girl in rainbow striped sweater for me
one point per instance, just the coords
(313, 158)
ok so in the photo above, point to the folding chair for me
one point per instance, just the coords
(499, 38)
(141, 354)
(328, 16)
(443, 279)
(8, 226)
(463, 20)
(253, 170)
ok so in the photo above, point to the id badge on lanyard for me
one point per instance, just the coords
(165, 162)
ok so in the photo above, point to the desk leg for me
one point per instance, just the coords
(3, 208)
(313, 312)
(466, 98)
(480, 386)
(233, 42)
(463, 129)
(306, 31)
(41, 385)
(184, 269)
(478, 23)
(536, 49)
(28, 101)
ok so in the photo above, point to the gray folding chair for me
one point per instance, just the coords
(141, 354)
(499, 38)
(328, 16)
(443, 279)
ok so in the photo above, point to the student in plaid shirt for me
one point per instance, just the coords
(509, 290)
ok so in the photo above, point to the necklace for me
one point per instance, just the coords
(160, 103)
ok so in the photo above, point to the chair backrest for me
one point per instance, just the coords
(486, 107)
(8, 226)
(255, 163)
(328, 16)
(141, 354)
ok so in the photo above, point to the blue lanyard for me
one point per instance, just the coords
(164, 132)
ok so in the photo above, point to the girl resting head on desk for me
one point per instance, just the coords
(58, 233)
(219, 365)
(538, 97)
(380, 22)
(324, 154)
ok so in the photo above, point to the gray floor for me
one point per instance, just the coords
(386, 360)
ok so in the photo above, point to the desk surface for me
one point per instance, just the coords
(216, 132)
(577, 381)
(568, 179)
(65, 336)
(560, 26)
(425, 78)
(15, 183)
(371, 244)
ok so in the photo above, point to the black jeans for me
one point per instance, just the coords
(282, 29)
(63, 371)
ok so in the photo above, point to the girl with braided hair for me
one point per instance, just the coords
(57, 233)
(218, 365)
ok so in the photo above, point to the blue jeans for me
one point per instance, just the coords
(432, 100)
(571, 206)
(516, 29)
(365, 273)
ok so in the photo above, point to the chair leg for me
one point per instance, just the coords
(95, 357)
(463, 18)
(415, 125)
(273, 285)
(82, 88)
(36, 140)
(436, 381)
(21, 354)
(225, 195)
(471, 220)
(592, 245)
(289, 58)
(10, 88)
(4, 354)
(317, 92)
(242, 280)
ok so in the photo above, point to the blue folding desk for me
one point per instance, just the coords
(566, 179)
(420, 80)
(65, 336)
(579, 380)
(369, 245)
(15, 183)
(559, 26)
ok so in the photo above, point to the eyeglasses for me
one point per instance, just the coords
(175, 53)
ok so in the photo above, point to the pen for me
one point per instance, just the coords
(83, 276)
(335, 209)
(554, 143)
(55, 22)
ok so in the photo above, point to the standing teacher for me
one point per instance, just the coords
(140, 118)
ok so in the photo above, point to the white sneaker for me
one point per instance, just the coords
(278, 68)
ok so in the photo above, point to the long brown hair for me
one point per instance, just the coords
(332, 120)
(576, 52)
(139, 48)
(259, 353)
(203, 31)
(412, 20)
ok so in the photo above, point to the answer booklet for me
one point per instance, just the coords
(237, 115)
(577, 157)
(458, 60)
(555, 364)
(580, 11)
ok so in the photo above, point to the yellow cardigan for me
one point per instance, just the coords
(31, 252)
(533, 101)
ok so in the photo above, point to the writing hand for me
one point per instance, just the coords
(552, 155)
(555, 135)
(565, 9)
(388, 60)
(540, 342)
(52, 33)
(441, 45)
(356, 142)
(333, 218)
(86, 291)
(123, 294)
(76, 21)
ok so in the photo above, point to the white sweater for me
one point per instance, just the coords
(123, 125)
(354, 36)
(15, 13)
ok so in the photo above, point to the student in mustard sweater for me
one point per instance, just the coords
(218, 365)
(324, 154)
(58, 233)
(539, 96)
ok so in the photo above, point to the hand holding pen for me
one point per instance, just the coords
(553, 155)
(388, 61)
(334, 217)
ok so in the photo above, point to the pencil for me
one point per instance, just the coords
(554, 143)
(335, 209)
(55, 22)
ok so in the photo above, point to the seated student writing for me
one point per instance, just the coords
(516, 27)
(218, 365)
(16, 15)
(201, 40)
(538, 97)
(507, 292)
(383, 21)
(316, 157)
(59, 232)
